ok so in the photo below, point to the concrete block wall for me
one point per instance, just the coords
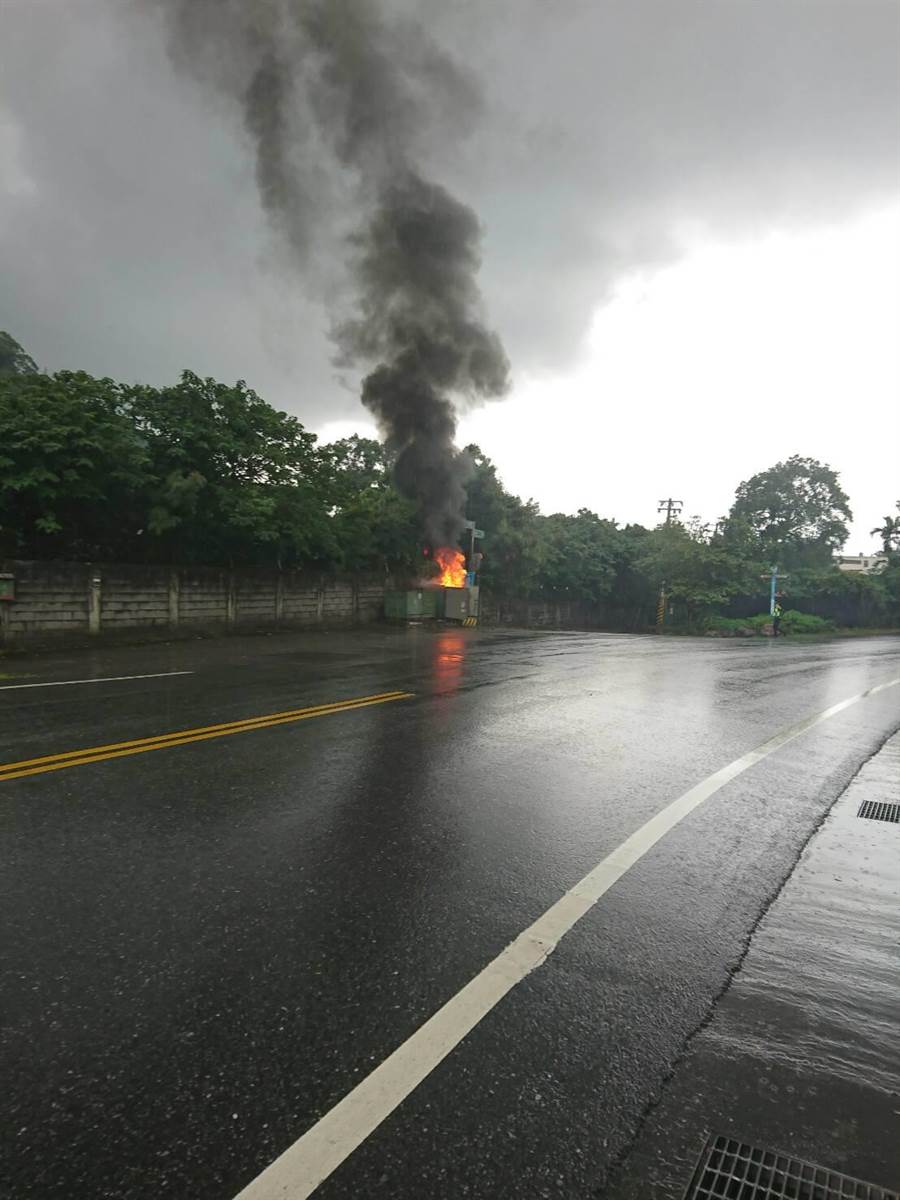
(370, 599)
(255, 597)
(202, 596)
(301, 605)
(55, 599)
(49, 598)
(132, 597)
(338, 602)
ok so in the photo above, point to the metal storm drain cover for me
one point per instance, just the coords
(732, 1170)
(879, 810)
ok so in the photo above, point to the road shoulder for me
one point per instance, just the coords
(802, 1052)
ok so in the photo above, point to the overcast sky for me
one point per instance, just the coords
(691, 235)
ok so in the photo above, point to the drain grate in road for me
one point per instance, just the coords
(732, 1170)
(879, 810)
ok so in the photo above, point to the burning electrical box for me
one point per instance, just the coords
(451, 595)
(432, 602)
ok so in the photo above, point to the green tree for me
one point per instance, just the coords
(374, 526)
(354, 464)
(890, 583)
(13, 359)
(635, 590)
(797, 510)
(889, 532)
(846, 597)
(582, 556)
(235, 480)
(513, 548)
(74, 476)
(701, 571)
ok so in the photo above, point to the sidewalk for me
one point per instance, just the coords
(802, 1052)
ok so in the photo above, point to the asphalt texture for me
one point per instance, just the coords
(208, 945)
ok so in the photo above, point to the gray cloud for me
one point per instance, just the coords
(133, 241)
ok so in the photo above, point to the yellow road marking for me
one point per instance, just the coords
(297, 713)
(74, 758)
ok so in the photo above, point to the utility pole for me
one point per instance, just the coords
(671, 508)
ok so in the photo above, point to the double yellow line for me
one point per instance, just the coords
(76, 758)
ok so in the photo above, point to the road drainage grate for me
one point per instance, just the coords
(732, 1170)
(879, 810)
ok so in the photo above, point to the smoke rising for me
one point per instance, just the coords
(339, 78)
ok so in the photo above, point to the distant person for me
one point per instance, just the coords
(776, 620)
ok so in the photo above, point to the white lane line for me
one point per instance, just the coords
(312, 1158)
(11, 687)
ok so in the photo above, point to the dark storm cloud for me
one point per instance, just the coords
(635, 125)
(132, 239)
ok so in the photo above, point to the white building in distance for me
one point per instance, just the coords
(868, 564)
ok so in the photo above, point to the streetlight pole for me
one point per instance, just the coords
(773, 577)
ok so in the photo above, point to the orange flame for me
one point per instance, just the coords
(452, 563)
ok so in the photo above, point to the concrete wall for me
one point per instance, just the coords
(558, 614)
(538, 614)
(58, 599)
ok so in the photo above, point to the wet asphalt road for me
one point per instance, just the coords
(208, 945)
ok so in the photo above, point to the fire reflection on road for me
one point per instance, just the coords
(449, 662)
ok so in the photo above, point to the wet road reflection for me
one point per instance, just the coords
(449, 662)
(247, 925)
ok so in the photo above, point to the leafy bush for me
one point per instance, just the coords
(791, 622)
(716, 624)
(798, 622)
(760, 622)
(736, 626)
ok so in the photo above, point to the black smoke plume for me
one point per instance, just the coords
(338, 78)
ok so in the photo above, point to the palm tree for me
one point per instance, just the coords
(889, 533)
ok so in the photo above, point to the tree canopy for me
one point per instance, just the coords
(13, 359)
(207, 472)
(797, 510)
(73, 472)
(889, 532)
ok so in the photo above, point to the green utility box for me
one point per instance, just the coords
(414, 604)
(460, 604)
(7, 587)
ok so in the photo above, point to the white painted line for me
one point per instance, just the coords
(312, 1158)
(11, 687)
